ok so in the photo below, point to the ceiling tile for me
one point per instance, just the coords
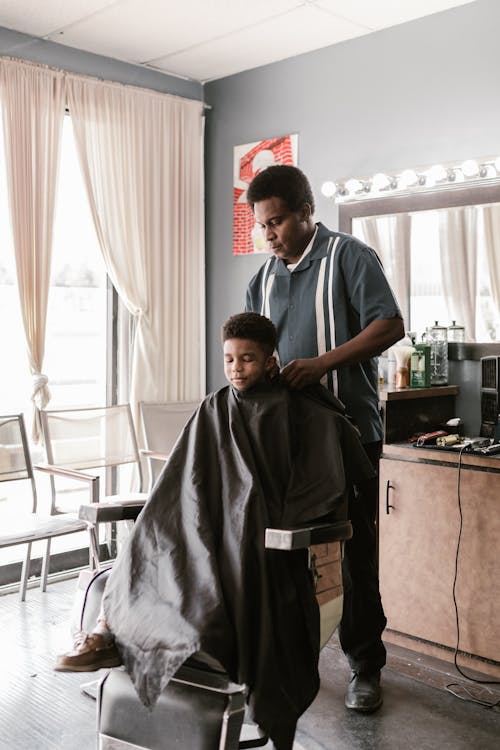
(42, 18)
(140, 30)
(275, 39)
(206, 40)
(384, 13)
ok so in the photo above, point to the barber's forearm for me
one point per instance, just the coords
(370, 342)
(373, 340)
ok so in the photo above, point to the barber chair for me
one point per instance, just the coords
(201, 709)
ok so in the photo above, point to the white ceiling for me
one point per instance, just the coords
(208, 39)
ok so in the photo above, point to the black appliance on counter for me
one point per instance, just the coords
(490, 396)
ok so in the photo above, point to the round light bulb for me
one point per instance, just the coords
(408, 178)
(380, 181)
(328, 189)
(353, 185)
(437, 173)
(470, 168)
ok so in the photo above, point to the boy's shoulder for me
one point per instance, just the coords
(321, 397)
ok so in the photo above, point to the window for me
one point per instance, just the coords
(75, 348)
(76, 334)
(75, 344)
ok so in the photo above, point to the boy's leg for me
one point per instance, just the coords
(91, 651)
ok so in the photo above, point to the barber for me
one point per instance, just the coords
(334, 312)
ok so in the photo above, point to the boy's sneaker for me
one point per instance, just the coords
(91, 651)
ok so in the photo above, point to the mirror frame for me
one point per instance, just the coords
(446, 197)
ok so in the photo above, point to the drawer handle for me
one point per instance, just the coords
(389, 486)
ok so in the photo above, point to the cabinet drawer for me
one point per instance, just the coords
(328, 566)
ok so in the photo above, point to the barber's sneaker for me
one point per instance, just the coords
(91, 651)
(363, 692)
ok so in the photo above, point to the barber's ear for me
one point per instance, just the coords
(306, 212)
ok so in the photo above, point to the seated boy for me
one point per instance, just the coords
(248, 344)
(194, 576)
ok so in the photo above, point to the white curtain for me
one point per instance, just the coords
(141, 156)
(32, 101)
(458, 253)
(491, 217)
(390, 237)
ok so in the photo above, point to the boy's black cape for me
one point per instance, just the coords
(194, 574)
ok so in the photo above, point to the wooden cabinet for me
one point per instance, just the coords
(418, 538)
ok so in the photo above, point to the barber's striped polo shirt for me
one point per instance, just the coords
(336, 290)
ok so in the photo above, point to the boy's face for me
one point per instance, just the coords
(245, 363)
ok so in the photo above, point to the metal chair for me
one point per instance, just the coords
(162, 423)
(96, 438)
(24, 525)
(201, 708)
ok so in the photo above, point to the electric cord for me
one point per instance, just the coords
(471, 697)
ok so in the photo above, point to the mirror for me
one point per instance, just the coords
(441, 253)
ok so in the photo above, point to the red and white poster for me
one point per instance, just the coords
(250, 159)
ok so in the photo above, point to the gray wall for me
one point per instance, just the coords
(14, 44)
(409, 96)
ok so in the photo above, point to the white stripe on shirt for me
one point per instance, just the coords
(263, 294)
(330, 312)
(320, 313)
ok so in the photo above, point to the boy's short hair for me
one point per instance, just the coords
(281, 181)
(251, 326)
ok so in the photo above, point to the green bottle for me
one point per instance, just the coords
(420, 366)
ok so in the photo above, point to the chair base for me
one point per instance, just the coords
(197, 710)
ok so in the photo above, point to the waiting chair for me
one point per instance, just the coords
(24, 525)
(93, 438)
(201, 708)
(162, 423)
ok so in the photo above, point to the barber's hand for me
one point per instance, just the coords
(301, 372)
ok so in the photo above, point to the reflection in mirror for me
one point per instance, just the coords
(443, 263)
(437, 264)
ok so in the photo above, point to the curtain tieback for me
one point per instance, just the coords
(41, 393)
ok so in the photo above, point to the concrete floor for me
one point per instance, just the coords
(414, 716)
(44, 710)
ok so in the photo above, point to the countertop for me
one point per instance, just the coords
(388, 393)
(442, 456)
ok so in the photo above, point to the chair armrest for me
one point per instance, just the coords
(107, 512)
(306, 536)
(91, 479)
(157, 455)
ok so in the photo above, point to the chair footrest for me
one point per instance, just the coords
(252, 736)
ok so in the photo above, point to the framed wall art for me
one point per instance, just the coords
(249, 159)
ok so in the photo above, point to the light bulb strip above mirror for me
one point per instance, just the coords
(469, 171)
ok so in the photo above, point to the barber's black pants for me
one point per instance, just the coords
(363, 619)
